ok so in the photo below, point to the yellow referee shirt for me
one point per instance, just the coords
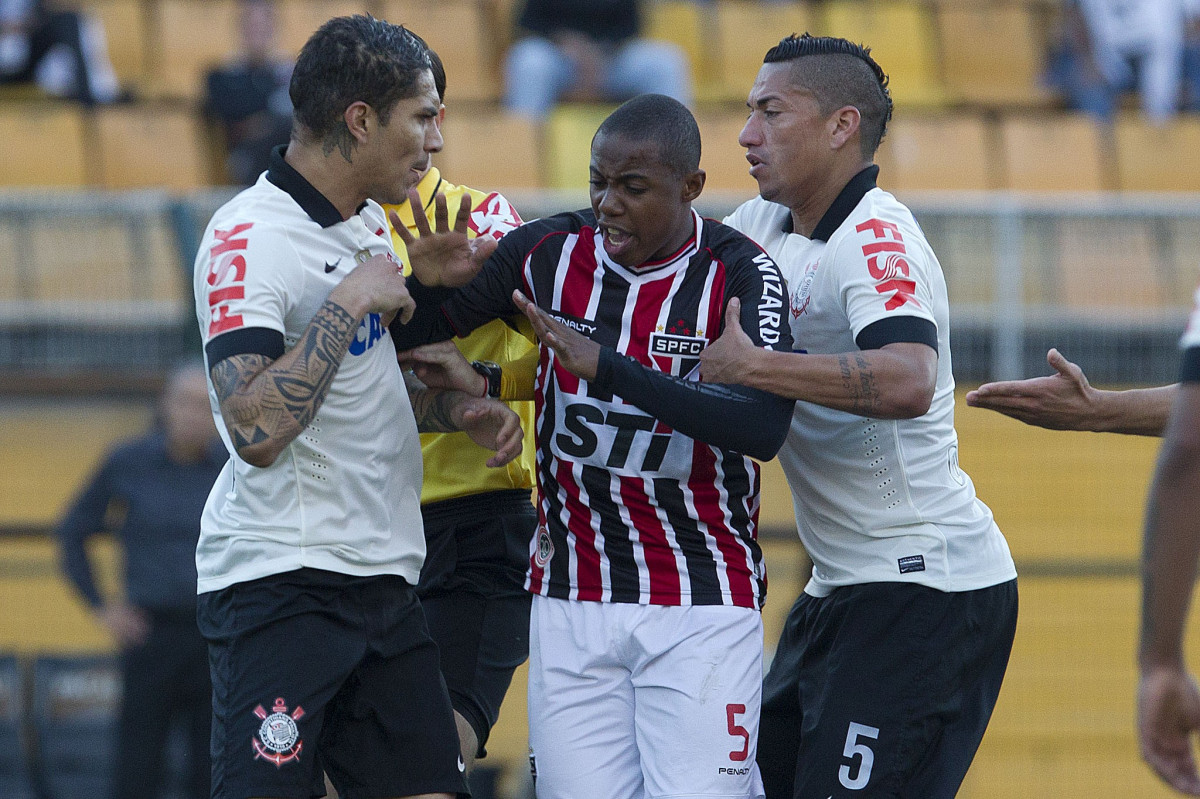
(454, 464)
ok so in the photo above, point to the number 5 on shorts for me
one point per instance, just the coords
(852, 749)
(738, 731)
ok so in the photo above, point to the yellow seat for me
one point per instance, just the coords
(746, 30)
(43, 145)
(937, 152)
(491, 151)
(1064, 151)
(144, 146)
(125, 25)
(1107, 266)
(993, 54)
(568, 143)
(188, 38)
(299, 19)
(1158, 158)
(721, 157)
(901, 36)
(684, 23)
(457, 30)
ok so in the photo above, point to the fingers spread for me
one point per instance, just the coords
(419, 220)
(400, 228)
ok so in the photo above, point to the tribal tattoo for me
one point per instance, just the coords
(432, 407)
(260, 400)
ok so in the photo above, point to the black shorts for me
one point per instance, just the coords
(472, 589)
(316, 671)
(883, 690)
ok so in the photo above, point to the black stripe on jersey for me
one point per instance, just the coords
(701, 565)
(244, 341)
(737, 484)
(610, 316)
(618, 547)
(556, 581)
(685, 306)
(1189, 366)
(896, 330)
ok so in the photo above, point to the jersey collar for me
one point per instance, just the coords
(842, 206)
(314, 203)
(428, 188)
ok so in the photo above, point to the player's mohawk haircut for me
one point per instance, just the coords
(867, 92)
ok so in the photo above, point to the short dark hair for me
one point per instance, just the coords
(663, 120)
(841, 73)
(350, 59)
(435, 64)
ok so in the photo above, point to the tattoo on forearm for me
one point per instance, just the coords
(859, 382)
(431, 406)
(261, 400)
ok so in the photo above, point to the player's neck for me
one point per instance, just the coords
(330, 174)
(813, 206)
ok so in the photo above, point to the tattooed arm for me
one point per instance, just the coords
(266, 403)
(489, 423)
(894, 381)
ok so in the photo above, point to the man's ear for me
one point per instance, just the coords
(693, 184)
(843, 126)
(360, 120)
(441, 117)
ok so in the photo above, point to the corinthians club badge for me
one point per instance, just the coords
(278, 736)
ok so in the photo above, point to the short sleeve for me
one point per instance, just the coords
(248, 275)
(881, 274)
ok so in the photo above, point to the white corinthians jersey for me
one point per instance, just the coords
(344, 496)
(877, 500)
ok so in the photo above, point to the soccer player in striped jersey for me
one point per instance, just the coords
(646, 571)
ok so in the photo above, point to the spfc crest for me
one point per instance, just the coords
(278, 736)
(545, 548)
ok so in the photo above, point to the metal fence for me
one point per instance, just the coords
(101, 281)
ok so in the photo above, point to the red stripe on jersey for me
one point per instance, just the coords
(577, 287)
(716, 308)
(660, 558)
(579, 522)
(710, 509)
(648, 301)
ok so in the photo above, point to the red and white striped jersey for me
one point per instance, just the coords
(631, 510)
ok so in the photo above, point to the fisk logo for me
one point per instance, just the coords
(226, 276)
(887, 264)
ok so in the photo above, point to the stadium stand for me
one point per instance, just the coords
(125, 23)
(690, 26)
(1054, 152)
(1158, 157)
(745, 30)
(179, 54)
(491, 149)
(992, 54)
(568, 142)
(725, 165)
(299, 18)
(458, 31)
(939, 151)
(43, 144)
(151, 146)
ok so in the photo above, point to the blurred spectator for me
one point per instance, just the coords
(61, 51)
(1191, 58)
(588, 50)
(149, 492)
(1108, 47)
(249, 96)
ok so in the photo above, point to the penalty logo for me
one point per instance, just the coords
(278, 736)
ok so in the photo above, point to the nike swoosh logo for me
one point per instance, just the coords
(329, 267)
(461, 765)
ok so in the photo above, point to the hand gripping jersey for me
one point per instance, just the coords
(455, 466)
(630, 509)
(344, 495)
(877, 500)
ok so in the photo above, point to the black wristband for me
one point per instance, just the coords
(491, 373)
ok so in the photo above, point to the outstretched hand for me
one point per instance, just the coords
(575, 351)
(442, 365)
(443, 256)
(1168, 719)
(1062, 401)
(491, 424)
(725, 360)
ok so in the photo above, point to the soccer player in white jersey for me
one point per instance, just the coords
(1168, 701)
(891, 660)
(311, 540)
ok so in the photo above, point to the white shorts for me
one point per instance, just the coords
(644, 701)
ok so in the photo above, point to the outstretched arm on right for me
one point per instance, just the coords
(1067, 401)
